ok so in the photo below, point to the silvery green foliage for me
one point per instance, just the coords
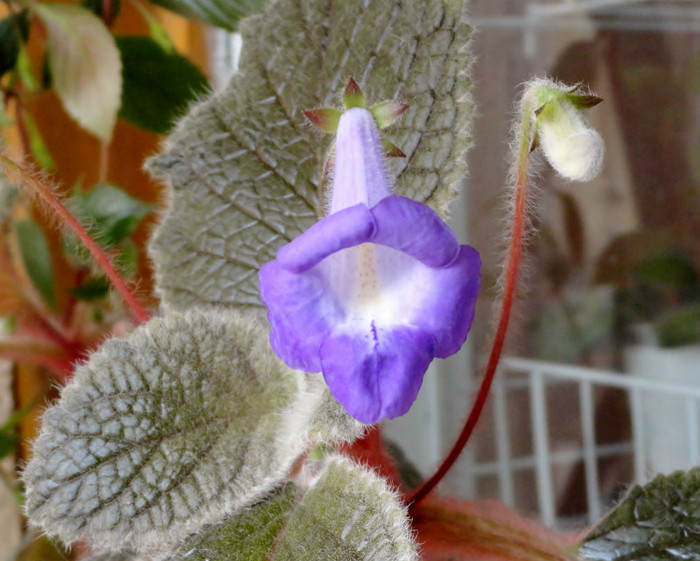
(247, 536)
(245, 166)
(123, 555)
(657, 522)
(347, 513)
(184, 420)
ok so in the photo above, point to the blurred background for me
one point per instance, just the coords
(599, 387)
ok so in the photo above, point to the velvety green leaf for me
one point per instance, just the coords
(247, 536)
(114, 212)
(14, 30)
(85, 65)
(158, 85)
(186, 419)
(36, 257)
(92, 289)
(222, 13)
(348, 514)
(245, 166)
(657, 522)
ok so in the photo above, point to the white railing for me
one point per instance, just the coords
(643, 397)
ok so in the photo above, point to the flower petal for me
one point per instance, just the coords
(343, 229)
(414, 229)
(301, 312)
(374, 372)
(448, 300)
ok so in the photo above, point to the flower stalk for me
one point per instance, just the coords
(547, 110)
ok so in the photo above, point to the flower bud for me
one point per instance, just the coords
(572, 147)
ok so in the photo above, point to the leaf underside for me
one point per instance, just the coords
(184, 420)
(348, 513)
(244, 165)
(657, 522)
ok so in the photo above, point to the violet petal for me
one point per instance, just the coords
(346, 228)
(414, 229)
(375, 372)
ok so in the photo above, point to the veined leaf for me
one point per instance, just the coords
(348, 514)
(657, 522)
(188, 418)
(158, 85)
(222, 13)
(244, 165)
(85, 66)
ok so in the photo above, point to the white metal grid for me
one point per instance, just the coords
(537, 376)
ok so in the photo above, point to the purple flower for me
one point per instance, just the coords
(373, 292)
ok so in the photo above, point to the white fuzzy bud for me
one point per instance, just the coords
(572, 147)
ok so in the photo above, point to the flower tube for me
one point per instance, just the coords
(373, 292)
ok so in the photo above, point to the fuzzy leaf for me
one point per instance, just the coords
(348, 514)
(186, 419)
(244, 165)
(657, 522)
(222, 13)
(245, 537)
(85, 66)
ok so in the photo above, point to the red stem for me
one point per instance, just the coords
(511, 279)
(59, 210)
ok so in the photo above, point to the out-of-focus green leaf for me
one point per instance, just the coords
(85, 65)
(127, 260)
(114, 212)
(656, 522)
(8, 441)
(678, 327)
(97, 7)
(671, 269)
(39, 149)
(92, 289)
(14, 31)
(34, 250)
(157, 31)
(158, 85)
(221, 13)
(24, 69)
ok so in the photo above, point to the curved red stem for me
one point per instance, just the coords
(59, 210)
(511, 278)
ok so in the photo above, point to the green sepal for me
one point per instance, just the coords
(391, 150)
(386, 113)
(583, 101)
(353, 96)
(325, 120)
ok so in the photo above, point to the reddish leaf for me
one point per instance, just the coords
(485, 531)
